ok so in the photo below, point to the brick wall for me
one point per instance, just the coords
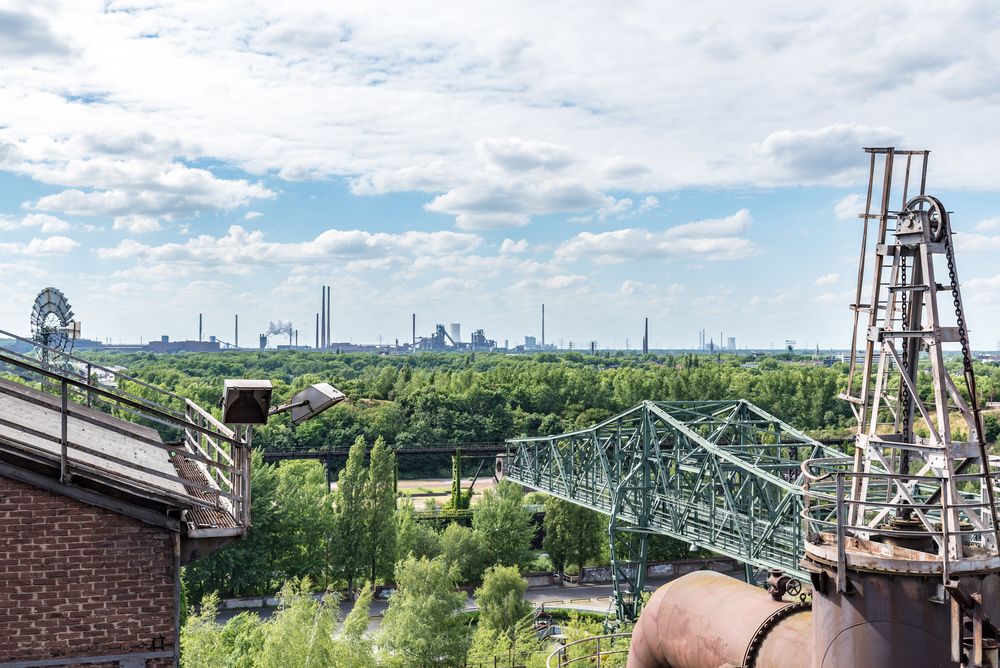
(76, 580)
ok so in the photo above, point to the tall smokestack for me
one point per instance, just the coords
(322, 319)
(329, 316)
(414, 331)
(199, 326)
(236, 332)
(543, 325)
(645, 339)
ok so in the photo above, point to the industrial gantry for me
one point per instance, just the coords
(724, 475)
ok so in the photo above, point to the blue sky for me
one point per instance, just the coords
(698, 165)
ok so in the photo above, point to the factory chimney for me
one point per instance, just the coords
(414, 331)
(645, 339)
(322, 330)
(329, 316)
(236, 332)
(199, 326)
(543, 325)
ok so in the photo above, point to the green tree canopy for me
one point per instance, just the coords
(422, 627)
(379, 512)
(573, 534)
(501, 600)
(350, 515)
(504, 526)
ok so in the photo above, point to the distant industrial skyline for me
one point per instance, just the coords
(469, 163)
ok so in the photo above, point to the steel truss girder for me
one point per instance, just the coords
(724, 475)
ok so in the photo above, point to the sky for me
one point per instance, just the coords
(699, 164)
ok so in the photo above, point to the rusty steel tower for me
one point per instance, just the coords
(902, 542)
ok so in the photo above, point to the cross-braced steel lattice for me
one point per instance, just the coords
(903, 482)
(724, 475)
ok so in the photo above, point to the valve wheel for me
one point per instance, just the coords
(794, 587)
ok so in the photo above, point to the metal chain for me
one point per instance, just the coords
(959, 311)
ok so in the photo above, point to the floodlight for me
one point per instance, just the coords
(311, 401)
(246, 401)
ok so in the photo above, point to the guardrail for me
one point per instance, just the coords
(221, 455)
(561, 655)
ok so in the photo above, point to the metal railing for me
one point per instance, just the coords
(597, 657)
(185, 428)
(887, 497)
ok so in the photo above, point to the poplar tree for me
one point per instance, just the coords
(379, 511)
(350, 514)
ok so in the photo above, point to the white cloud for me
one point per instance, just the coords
(512, 154)
(509, 246)
(250, 215)
(711, 239)
(969, 242)
(988, 225)
(826, 155)
(47, 224)
(137, 224)
(557, 282)
(827, 279)
(54, 245)
(242, 248)
(632, 288)
(849, 207)
(492, 204)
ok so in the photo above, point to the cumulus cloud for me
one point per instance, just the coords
(250, 215)
(970, 242)
(826, 155)
(170, 193)
(47, 224)
(54, 245)
(244, 247)
(510, 246)
(711, 239)
(23, 34)
(137, 224)
(513, 154)
(507, 203)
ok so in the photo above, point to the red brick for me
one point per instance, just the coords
(79, 580)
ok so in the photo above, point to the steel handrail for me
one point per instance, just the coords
(559, 654)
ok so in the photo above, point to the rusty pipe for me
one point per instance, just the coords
(708, 620)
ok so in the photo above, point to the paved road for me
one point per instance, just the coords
(582, 597)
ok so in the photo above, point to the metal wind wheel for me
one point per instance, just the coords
(52, 323)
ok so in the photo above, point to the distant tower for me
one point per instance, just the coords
(455, 331)
(414, 330)
(329, 315)
(236, 332)
(199, 326)
(645, 339)
(322, 318)
(543, 325)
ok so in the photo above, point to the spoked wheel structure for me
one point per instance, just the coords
(52, 323)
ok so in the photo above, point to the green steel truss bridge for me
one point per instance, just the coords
(723, 475)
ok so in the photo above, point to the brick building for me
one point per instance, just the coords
(98, 513)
